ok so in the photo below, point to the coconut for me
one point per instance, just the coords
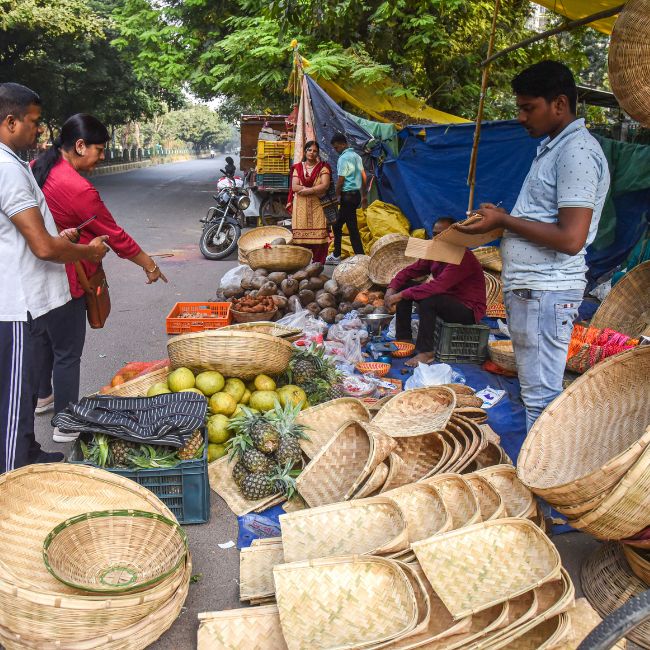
(257, 282)
(345, 308)
(294, 304)
(348, 292)
(314, 269)
(279, 241)
(306, 296)
(300, 275)
(289, 287)
(277, 276)
(262, 272)
(280, 302)
(304, 284)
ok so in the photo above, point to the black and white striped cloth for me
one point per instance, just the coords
(167, 419)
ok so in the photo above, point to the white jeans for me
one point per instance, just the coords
(540, 327)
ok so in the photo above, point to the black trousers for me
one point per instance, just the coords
(350, 201)
(445, 307)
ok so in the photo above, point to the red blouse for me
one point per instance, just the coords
(72, 199)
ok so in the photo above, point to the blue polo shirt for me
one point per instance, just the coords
(350, 167)
(569, 171)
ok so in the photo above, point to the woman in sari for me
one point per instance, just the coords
(310, 180)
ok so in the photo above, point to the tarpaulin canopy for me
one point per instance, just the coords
(576, 9)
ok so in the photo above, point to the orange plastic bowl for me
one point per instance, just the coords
(403, 349)
(373, 368)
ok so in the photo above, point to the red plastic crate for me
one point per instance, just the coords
(207, 316)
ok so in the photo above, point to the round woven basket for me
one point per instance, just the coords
(114, 551)
(279, 258)
(629, 60)
(387, 258)
(353, 272)
(608, 415)
(246, 317)
(138, 387)
(373, 368)
(502, 353)
(259, 237)
(233, 353)
(639, 561)
(404, 349)
(265, 327)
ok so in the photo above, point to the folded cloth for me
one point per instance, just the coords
(167, 419)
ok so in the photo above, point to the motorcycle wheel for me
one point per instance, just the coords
(225, 244)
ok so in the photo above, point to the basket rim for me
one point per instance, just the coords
(179, 338)
(101, 514)
(258, 231)
(137, 380)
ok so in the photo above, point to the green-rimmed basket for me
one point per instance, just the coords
(114, 551)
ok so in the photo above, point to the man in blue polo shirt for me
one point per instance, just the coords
(351, 193)
(553, 221)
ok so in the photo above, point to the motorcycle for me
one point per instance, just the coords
(223, 223)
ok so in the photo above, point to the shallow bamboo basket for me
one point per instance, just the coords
(374, 482)
(322, 602)
(398, 473)
(514, 553)
(517, 498)
(459, 498)
(476, 435)
(256, 570)
(139, 386)
(489, 498)
(259, 237)
(421, 455)
(502, 353)
(233, 353)
(639, 561)
(387, 258)
(353, 272)
(545, 635)
(608, 415)
(279, 258)
(489, 257)
(265, 327)
(416, 412)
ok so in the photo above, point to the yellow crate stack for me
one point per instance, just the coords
(274, 157)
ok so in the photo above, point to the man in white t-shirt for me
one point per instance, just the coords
(33, 281)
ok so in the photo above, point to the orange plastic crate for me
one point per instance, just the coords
(205, 316)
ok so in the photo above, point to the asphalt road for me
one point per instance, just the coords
(160, 207)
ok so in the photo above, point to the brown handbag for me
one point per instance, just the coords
(98, 300)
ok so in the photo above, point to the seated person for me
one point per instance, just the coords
(454, 292)
(230, 168)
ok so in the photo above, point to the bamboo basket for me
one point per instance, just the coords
(279, 258)
(639, 561)
(322, 602)
(324, 420)
(459, 498)
(398, 473)
(502, 353)
(579, 509)
(265, 327)
(353, 272)
(492, 454)
(608, 416)
(514, 553)
(545, 635)
(489, 257)
(584, 618)
(608, 583)
(253, 628)
(139, 386)
(374, 482)
(114, 551)
(477, 439)
(374, 526)
(387, 258)
(416, 412)
(233, 353)
(244, 318)
(468, 400)
(489, 498)
(517, 498)
(259, 237)
(452, 452)
(463, 446)
(256, 570)
(474, 413)
(422, 455)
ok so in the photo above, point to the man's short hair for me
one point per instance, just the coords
(16, 99)
(339, 138)
(547, 79)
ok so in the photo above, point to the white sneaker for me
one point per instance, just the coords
(332, 259)
(62, 436)
(44, 404)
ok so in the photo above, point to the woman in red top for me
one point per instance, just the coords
(72, 200)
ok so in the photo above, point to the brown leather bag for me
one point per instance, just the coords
(98, 300)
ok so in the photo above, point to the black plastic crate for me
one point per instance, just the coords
(184, 489)
(453, 342)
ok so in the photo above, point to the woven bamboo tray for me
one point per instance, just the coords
(639, 561)
(608, 416)
(279, 258)
(459, 498)
(474, 413)
(584, 618)
(259, 237)
(374, 482)
(579, 509)
(265, 327)
(387, 258)
(421, 455)
(489, 498)
(453, 450)
(517, 498)
(544, 636)
(398, 473)
(375, 526)
(245, 318)
(416, 412)
(343, 464)
(252, 628)
(489, 257)
(466, 443)
(324, 420)
(514, 553)
(503, 354)
(233, 353)
(344, 602)
(492, 454)
(353, 272)
(138, 387)
(256, 570)
(477, 439)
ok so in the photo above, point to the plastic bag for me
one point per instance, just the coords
(349, 341)
(415, 324)
(296, 319)
(231, 280)
(429, 375)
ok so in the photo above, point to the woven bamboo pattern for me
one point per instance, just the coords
(475, 434)
(222, 482)
(502, 353)
(114, 551)
(490, 434)
(639, 561)
(608, 583)
(324, 420)
(256, 570)
(451, 454)
(489, 498)
(343, 602)
(374, 482)
(517, 498)
(387, 258)
(608, 416)
(460, 389)
(496, 310)
(398, 473)
(139, 386)
(373, 368)
(466, 442)
(421, 454)
(584, 618)
(489, 257)
(279, 258)
(479, 415)
(415, 412)
(545, 635)
(579, 509)
(265, 327)
(493, 290)
(424, 510)
(233, 353)
(468, 400)
(459, 498)
(353, 272)
(491, 455)
(487, 563)
(629, 60)
(260, 236)
(244, 318)
(364, 526)
(625, 511)
(253, 628)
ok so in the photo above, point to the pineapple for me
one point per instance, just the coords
(259, 486)
(120, 450)
(289, 451)
(259, 428)
(256, 462)
(306, 365)
(192, 448)
(98, 450)
(337, 391)
(239, 472)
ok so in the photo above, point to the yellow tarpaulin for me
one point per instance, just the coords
(576, 9)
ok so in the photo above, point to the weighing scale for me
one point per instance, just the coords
(377, 347)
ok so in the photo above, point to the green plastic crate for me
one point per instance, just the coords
(453, 342)
(184, 489)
